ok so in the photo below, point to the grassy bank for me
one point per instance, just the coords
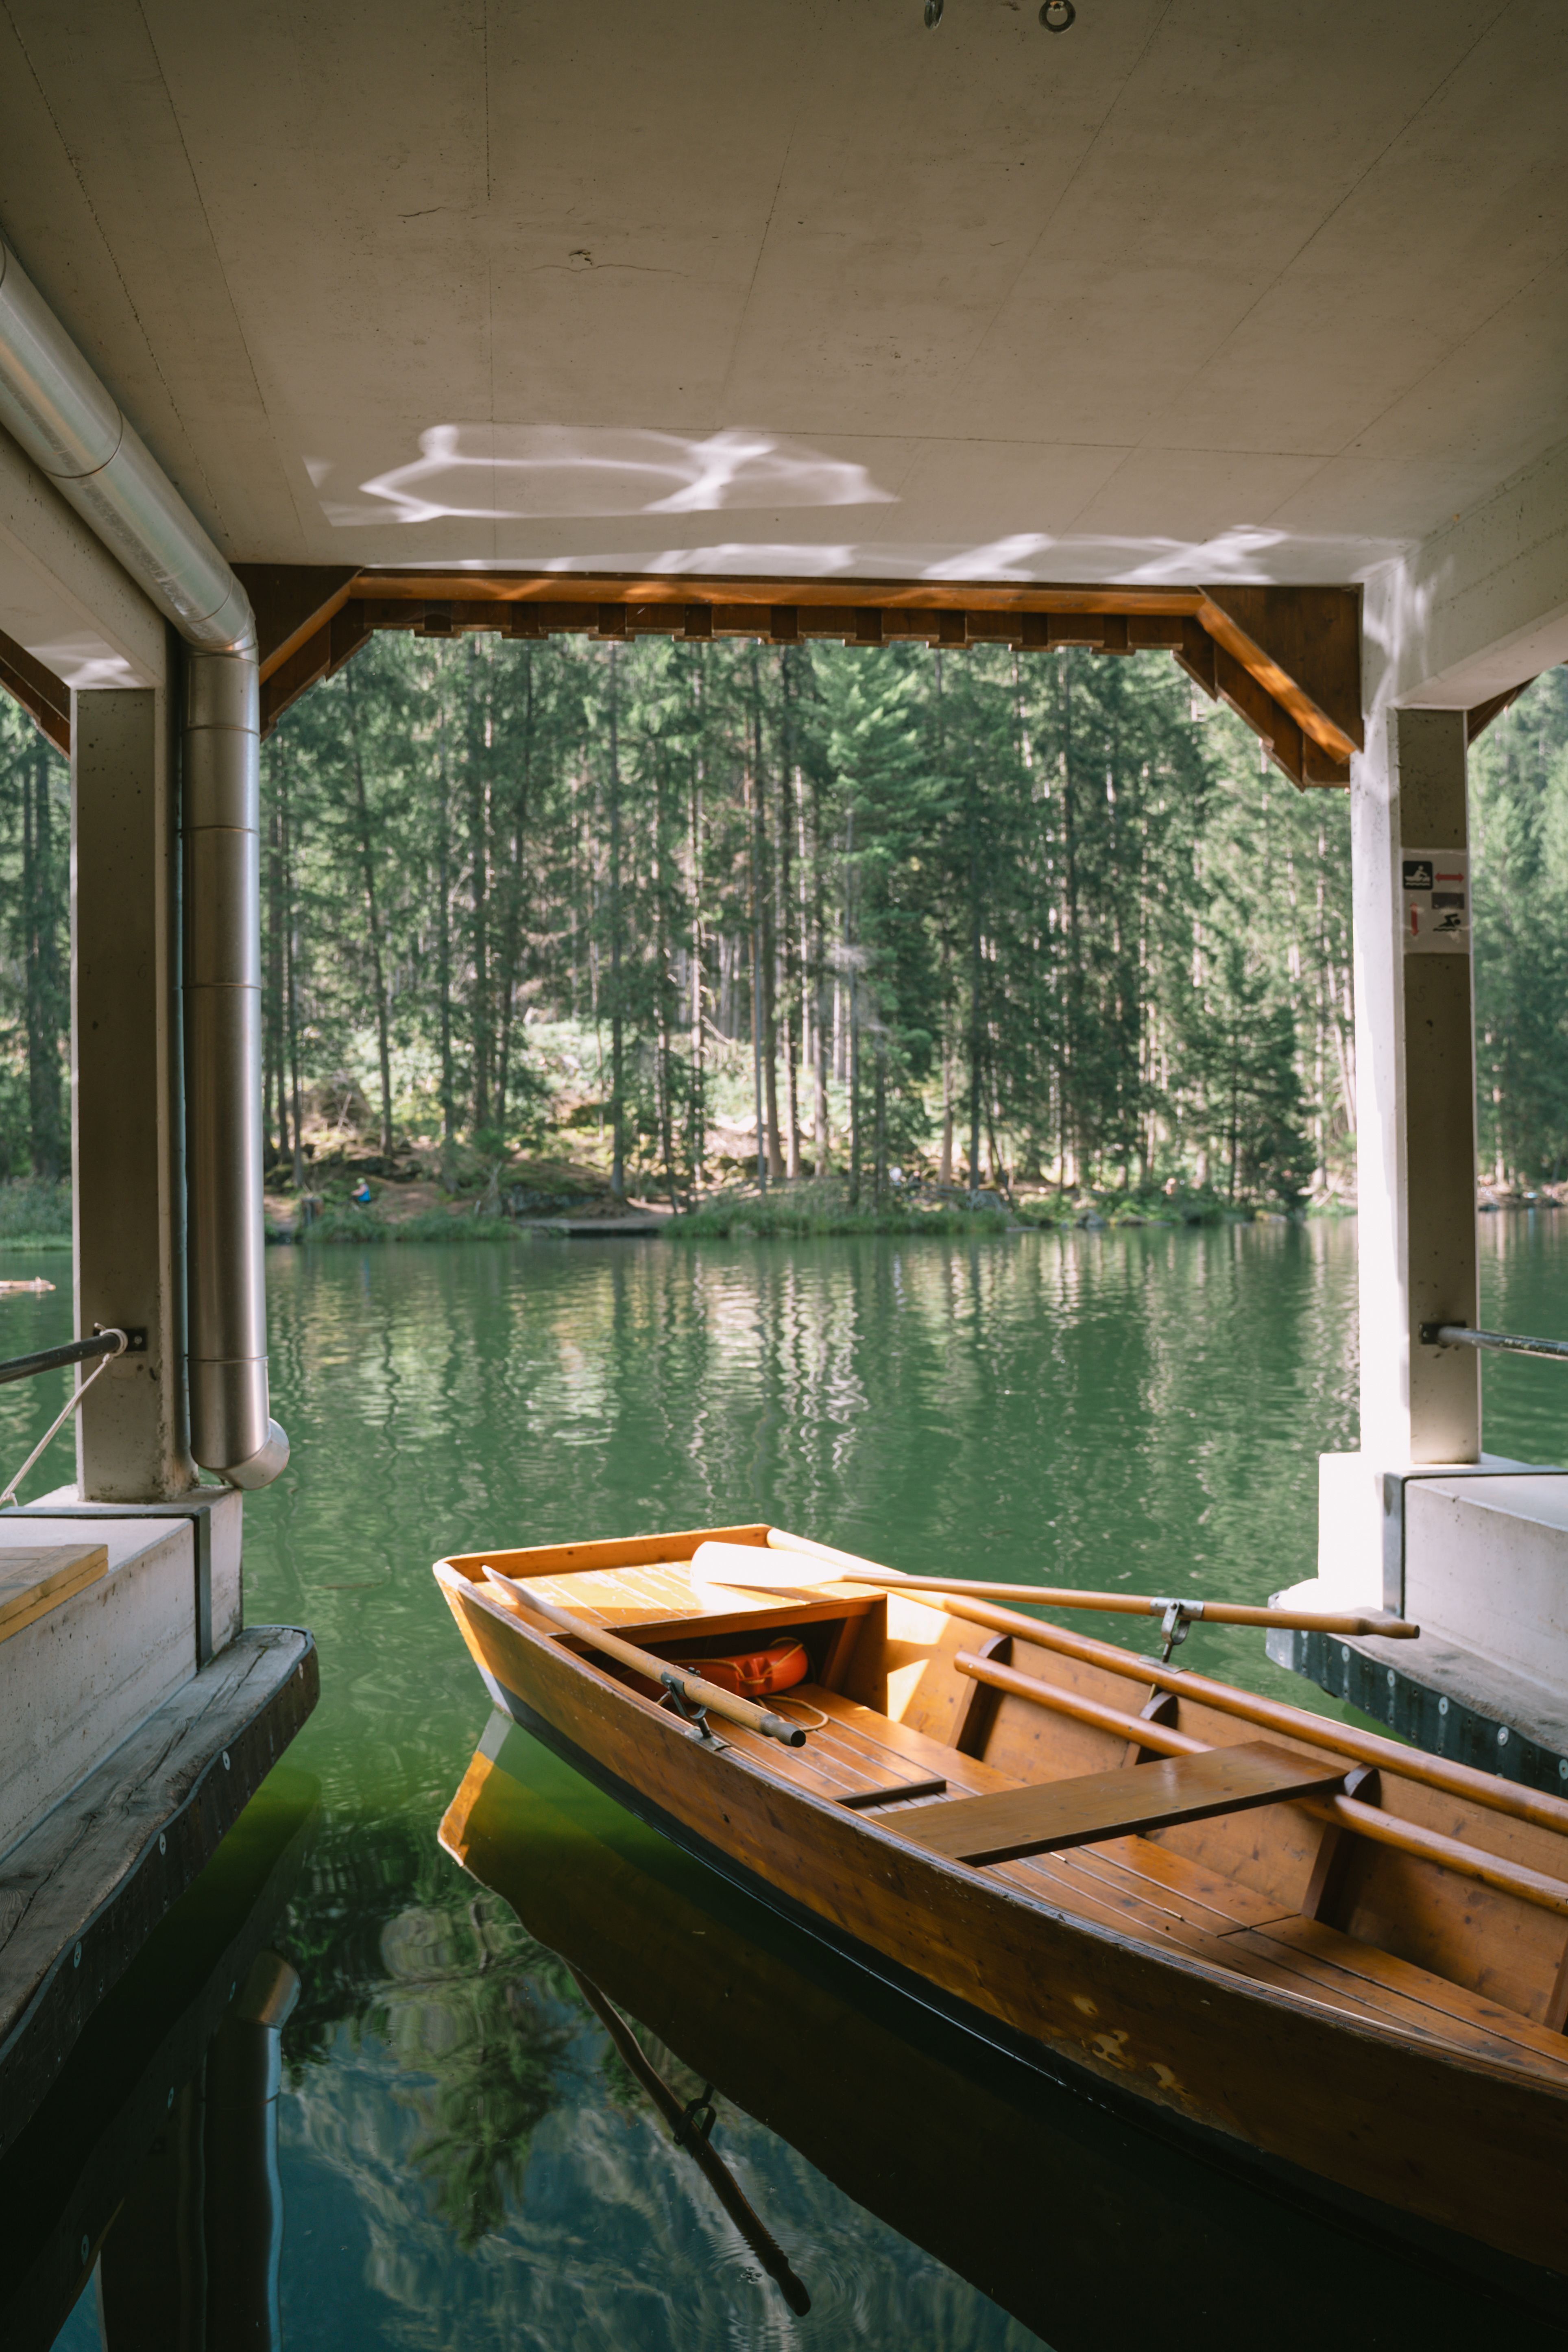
(361, 1226)
(821, 1209)
(1057, 1210)
(34, 1214)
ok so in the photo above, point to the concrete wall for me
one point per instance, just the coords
(1486, 1561)
(78, 1680)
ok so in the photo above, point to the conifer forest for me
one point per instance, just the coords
(735, 912)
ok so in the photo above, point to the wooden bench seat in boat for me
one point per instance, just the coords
(1092, 1806)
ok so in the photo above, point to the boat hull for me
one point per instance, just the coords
(1405, 2125)
(893, 2086)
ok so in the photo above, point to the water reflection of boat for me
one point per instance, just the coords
(1278, 1981)
(1034, 2195)
(152, 2155)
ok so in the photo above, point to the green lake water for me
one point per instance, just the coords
(466, 2162)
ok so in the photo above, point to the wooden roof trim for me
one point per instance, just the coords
(1303, 647)
(1288, 660)
(439, 586)
(291, 602)
(45, 696)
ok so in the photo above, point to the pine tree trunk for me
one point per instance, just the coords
(785, 925)
(444, 948)
(617, 1038)
(699, 1112)
(481, 1022)
(45, 1010)
(764, 957)
(852, 980)
(511, 938)
(880, 1135)
(976, 1001)
(373, 919)
(944, 1165)
(291, 970)
(822, 1135)
(272, 1070)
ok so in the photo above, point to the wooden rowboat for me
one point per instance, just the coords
(890, 2093)
(1302, 1943)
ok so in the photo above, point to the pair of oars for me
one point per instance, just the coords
(789, 1563)
(801, 1564)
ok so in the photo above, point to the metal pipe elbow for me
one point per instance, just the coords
(268, 1463)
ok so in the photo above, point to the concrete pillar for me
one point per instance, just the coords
(126, 1134)
(1416, 1115)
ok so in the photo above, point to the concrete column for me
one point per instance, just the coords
(1415, 1116)
(126, 1133)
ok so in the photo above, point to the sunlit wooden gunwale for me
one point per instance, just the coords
(1281, 1975)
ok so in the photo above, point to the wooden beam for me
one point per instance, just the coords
(319, 655)
(289, 681)
(291, 602)
(408, 585)
(1303, 646)
(1295, 653)
(1273, 725)
(1197, 654)
(45, 696)
(1478, 720)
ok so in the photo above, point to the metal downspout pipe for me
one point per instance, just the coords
(54, 405)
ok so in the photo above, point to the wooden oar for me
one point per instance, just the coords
(692, 2136)
(705, 1696)
(749, 1564)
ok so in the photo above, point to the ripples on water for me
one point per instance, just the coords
(466, 2162)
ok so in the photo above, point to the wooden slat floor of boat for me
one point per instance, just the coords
(858, 1750)
(1061, 1880)
(1203, 1896)
(1396, 1988)
(1133, 1885)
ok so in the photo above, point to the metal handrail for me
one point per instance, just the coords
(75, 1351)
(1460, 1334)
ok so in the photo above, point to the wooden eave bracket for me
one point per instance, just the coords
(1287, 660)
(1302, 646)
(43, 696)
(1480, 719)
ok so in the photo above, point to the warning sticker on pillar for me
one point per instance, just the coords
(1437, 900)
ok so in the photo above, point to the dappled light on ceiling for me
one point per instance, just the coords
(484, 473)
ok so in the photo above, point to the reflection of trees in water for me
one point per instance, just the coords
(517, 2188)
(394, 1947)
(498, 2060)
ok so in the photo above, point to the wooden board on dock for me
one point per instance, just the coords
(39, 1578)
(80, 1893)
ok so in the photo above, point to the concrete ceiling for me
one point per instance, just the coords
(1199, 289)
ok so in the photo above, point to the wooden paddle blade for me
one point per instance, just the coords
(762, 1570)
